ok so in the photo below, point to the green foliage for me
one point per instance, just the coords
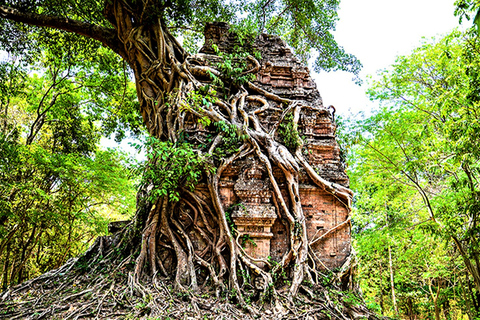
(305, 25)
(97, 76)
(205, 97)
(466, 9)
(247, 239)
(58, 190)
(231, 139)
(172, 166)
(247, 278)
(234, 65)
(420, 261)
(288, 132)
(416, 178)
(228, 216)
(351, 299)
(430, 140)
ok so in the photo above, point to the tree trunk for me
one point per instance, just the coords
(473, 270)
(410, 308)
(434, 296)
(5, 268)
(446, 310)
(465, 295)
(392, 284)
(382, 302)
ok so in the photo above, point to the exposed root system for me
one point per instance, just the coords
(106, 290)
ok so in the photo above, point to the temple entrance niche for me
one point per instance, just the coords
(254, 214)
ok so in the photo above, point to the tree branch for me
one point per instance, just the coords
(105, 35)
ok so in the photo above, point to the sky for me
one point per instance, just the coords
(376, 32)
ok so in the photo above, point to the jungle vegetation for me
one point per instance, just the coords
(58, 188)
(80, 70)
(414, 165)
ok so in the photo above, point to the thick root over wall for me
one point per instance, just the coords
(170, 229)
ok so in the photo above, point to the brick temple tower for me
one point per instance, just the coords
(245, 186)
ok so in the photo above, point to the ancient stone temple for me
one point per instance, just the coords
(245, 188)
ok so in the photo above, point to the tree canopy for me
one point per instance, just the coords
(305, 25)
(57, 188)
(418, 181)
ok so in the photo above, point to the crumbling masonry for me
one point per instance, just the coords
(245, 187)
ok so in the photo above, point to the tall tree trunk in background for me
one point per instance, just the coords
(392, 284)
(434, 296)
(5, 268)
(465, 295)
(411, 314)
(382, 306)
(446, 310)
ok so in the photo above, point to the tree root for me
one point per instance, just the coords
(113, 294)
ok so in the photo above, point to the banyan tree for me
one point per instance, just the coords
(244, 188)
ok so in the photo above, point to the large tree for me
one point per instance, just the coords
(169, 90)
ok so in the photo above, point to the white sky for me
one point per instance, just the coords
(376, 31)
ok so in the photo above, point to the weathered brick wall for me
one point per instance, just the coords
(282, 74)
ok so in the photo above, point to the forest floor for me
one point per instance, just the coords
(107, 291)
